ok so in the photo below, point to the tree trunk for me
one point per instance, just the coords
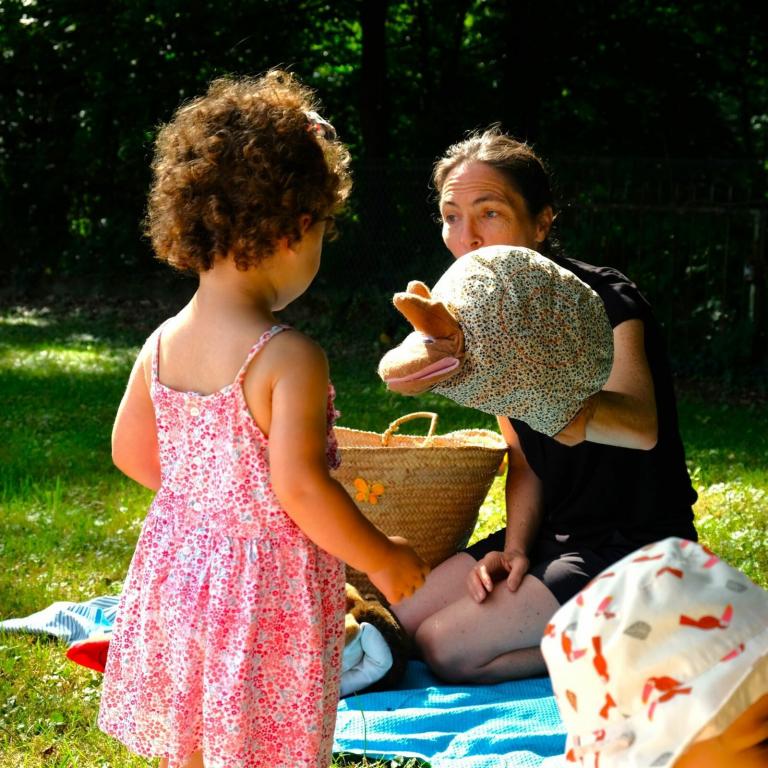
(524, 75)
(374, 101)
(759, 350)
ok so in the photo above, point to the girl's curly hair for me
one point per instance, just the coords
(236, 168)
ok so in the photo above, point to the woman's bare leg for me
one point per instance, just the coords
(446, 584)
(491, 641)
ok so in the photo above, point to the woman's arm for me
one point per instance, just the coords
(298, 465)
(623, 413)
(523, 497)
(134, 434)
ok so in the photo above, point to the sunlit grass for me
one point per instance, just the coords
(732, 519)
(62, 360)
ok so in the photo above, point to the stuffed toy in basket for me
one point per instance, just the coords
(507, 331)
(427, 489)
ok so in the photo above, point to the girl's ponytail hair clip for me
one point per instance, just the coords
(320, 126)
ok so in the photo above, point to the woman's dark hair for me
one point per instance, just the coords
(235, 170)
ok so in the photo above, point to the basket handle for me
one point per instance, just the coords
(395, 425)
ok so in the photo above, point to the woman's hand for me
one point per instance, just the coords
(402, 574)
(623, 413)
(512, 564)
(575, 431)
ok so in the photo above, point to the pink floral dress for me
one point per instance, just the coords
(230, 628)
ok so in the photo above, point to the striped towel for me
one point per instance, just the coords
(70, 622)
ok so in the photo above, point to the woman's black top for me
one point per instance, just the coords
(591, 490)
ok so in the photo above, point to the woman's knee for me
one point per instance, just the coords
(440, 652)
(444, 585)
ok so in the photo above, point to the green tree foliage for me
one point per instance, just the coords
(84, 85)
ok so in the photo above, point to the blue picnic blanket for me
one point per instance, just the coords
(450, 726)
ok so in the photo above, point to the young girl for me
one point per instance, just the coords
(226, 650)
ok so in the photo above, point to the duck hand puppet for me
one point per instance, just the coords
(429, 355)
(507, 331)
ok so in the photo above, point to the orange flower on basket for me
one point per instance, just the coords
(366, 492)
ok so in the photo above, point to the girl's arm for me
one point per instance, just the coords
(623, 413)
(523, 497)
(134, 434)
(314, 500)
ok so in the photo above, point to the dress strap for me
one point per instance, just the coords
(256, 348)
(155, 337)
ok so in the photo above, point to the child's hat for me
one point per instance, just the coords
(537, 340)
(665, 648)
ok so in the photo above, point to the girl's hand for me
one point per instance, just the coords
(403, 573)
(512, 563)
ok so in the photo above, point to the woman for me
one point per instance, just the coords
(614, 479)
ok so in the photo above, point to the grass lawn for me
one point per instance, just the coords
(69, 520)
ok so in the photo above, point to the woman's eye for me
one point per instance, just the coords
(491, 214)
(449, 218)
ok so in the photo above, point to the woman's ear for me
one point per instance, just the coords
(544, 220)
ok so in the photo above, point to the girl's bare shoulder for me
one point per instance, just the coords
(298, 347)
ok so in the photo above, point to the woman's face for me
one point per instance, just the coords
(479, 207)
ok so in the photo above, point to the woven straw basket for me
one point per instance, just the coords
(427, 489)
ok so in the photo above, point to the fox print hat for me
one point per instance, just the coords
(665, 648)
